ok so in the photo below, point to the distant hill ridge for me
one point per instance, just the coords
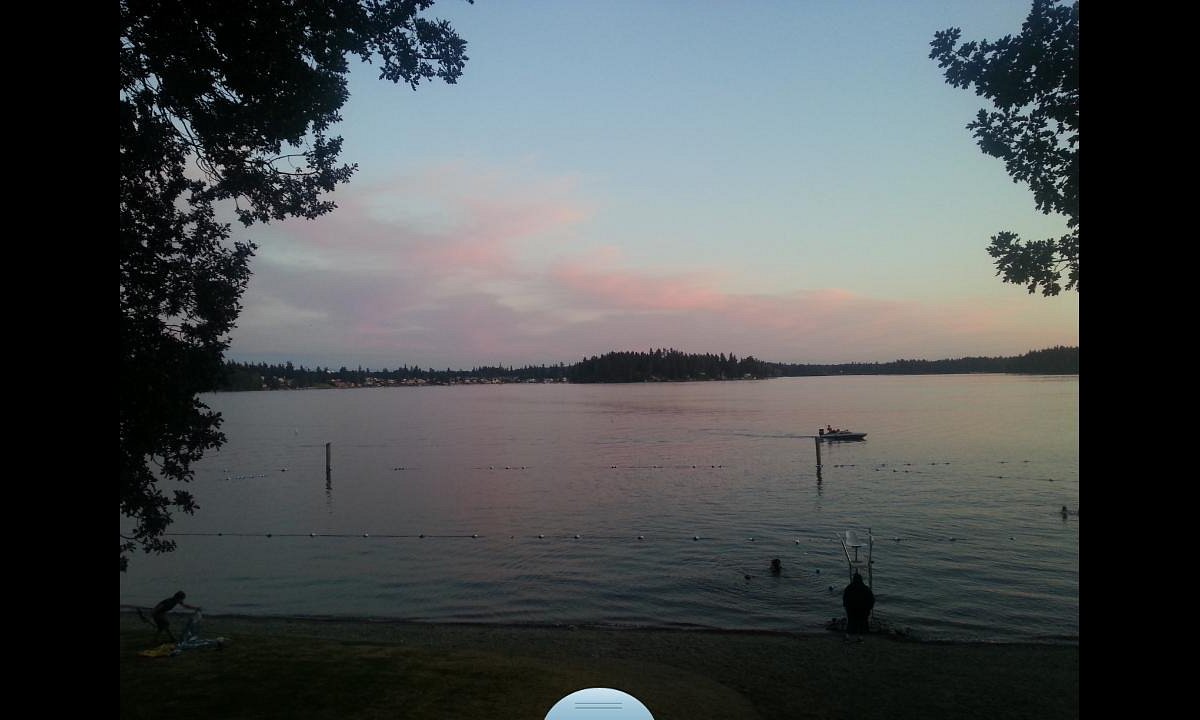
(630, 366)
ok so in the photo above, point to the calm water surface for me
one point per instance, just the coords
(960, 480)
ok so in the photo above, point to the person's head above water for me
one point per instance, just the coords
(180, 595)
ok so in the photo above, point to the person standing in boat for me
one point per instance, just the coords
(858, 600)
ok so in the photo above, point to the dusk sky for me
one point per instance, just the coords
(788, 180)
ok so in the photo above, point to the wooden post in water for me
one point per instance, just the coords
(327, 466)
(817, 442)
(870, 559)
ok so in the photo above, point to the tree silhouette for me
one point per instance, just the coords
(1033, 82)
(225, 101)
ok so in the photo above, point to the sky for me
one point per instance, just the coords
(787, 180)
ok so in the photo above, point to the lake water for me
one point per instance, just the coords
(960, 480)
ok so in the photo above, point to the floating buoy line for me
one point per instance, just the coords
(639, 538)
(677, 466)
(610, 467)
(896, 467)
(315, 535)
(422, 536)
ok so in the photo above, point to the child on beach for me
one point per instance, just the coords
(160, 611)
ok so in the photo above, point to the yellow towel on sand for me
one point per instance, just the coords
(161, 651)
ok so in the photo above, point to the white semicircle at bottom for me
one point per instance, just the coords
(599, 704)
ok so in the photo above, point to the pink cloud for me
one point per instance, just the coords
(460, 268)
(637, 291)
(444, 221)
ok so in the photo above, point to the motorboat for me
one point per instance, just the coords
(842, 435)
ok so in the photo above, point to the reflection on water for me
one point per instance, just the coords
(961, 479)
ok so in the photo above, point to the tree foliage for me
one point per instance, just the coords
(1032, 81)
(225, 102)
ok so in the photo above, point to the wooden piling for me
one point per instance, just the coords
(870, 558)
(327, 465)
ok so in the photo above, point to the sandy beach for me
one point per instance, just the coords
(292, 667)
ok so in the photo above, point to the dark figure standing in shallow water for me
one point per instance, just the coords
(858, 600)
(776, 567)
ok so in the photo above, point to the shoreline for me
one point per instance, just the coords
(340, 625)
(336, 668)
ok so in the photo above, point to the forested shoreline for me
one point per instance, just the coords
(627, 366)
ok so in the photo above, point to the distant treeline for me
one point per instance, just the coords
(261, 376)
(1057, 360)
(674, 365)
(620, 367)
